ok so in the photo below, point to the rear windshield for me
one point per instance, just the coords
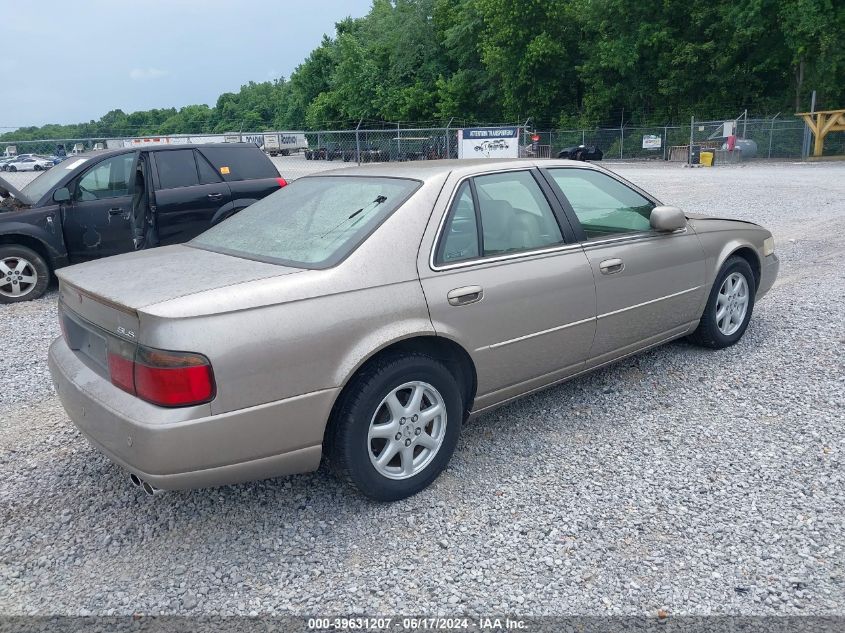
(240, 163)
(312, 223)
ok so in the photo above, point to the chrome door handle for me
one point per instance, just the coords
(612, 266)
(463, 296)
(115, 211)
(215, 196)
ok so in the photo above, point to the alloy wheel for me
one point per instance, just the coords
(732, 303)
(407, 430)
(17, 276)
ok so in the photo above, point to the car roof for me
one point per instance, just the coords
(159, 148)
(429, 169)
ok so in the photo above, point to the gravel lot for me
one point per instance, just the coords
(695, 481)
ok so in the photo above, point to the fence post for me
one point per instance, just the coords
(448, 143)
(665, 139)
(771, 132)
(621, 139)
(805, 147)
(398, 142)
(583, 137)
(691, 139)
(358, 142)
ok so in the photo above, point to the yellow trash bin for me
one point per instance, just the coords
(707, 159)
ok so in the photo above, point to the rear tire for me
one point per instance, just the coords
(729, 306)
(24, 275)
(383, 440)
(12, 168)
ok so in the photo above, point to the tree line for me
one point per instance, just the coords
(561, 63)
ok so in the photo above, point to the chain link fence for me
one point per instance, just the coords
(779, 137)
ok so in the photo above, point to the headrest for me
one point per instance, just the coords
(496, 216)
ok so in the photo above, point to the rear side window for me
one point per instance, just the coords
(208, 175)
(460, 237)
(240, 163)
(177, 168)
(514, 216)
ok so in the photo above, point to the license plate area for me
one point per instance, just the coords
(90, 342)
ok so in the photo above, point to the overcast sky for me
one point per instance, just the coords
(67, 62)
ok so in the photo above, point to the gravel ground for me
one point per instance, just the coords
(694, 481)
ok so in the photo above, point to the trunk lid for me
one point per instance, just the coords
(132, 281)
(99, 302)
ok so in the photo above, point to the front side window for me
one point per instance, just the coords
(111, 178)
(604, 205)
(313, 222)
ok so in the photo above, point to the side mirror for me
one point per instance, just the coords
(667, 219)
(62, 194)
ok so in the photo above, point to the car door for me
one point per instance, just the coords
(649, 285)
(506, 281)
(96, 220)
(188, 195)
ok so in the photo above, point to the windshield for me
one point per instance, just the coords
(36, 189)
(312, 223)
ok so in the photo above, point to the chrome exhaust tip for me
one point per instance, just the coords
(150, 489)
(136, 481)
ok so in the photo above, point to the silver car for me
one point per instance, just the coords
(362, 315)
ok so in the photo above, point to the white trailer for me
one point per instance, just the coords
(271, 144)
(275, 143)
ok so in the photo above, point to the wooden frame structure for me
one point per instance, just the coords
(822, 122)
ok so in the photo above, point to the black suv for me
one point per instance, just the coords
(119, 201)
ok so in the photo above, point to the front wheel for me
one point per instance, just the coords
(396, 426)
(729, 306)
(24, 275)
(12, 168)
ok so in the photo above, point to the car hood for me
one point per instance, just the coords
(702, 216)
(148, 277)
(8, 189)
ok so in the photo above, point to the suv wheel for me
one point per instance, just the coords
(24, 274)
(396, 426)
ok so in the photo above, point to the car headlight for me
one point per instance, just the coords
(768, 246)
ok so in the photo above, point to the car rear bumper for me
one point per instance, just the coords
(768, 273)
(188, 447)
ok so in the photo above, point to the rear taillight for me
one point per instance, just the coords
(168, 379)
(282, 182)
